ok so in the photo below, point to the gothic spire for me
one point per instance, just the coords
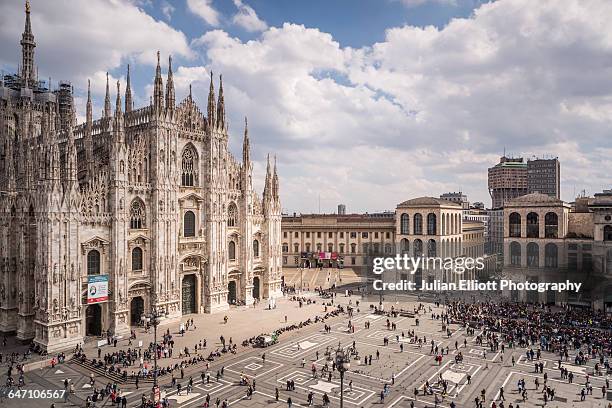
(211, 102)
(170, 98)
(128, 92)
(221, 105)
(118, 100)
(158, 89)
(107, 101)
(88, 113)
(118, 128)
(88, 131)
(27, 50)
(246, 145)
(71, 152)
(275, 186)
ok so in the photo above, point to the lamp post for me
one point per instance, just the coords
(301, 278)
(154, 319)
(343, 364)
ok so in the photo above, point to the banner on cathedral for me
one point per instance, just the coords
(97, 289)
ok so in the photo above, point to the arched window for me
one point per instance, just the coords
(330, 247)
(341, 248)
(404, 246)
(188, 166)
(607, 233)
(533, 254)
(189, 224)
(418, 224)
(418, 247)
(431, 224)
(256, 248)
(515, 225)
(431, 248)
(353, 248)
(515, 253)
(388, 249)
(551, 225)
(137, 215)
(93, 262)
(404, 224)
(285, 247)
(231, 250)
(296, 248)
(307, 247)
(551, 255)
(232, 215)
(533, 225)
(137, 259)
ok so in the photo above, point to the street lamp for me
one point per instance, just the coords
(343, 364)
(154, 318)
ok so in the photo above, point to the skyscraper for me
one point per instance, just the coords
(543, 176)
(507, 180)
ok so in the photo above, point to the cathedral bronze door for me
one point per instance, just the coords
(189, 294)
(136, 310)
(93, 320)
(231, 294)
(256, 287)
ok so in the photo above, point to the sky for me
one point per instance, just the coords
(367, 103)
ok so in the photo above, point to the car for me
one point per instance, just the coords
(266, 340)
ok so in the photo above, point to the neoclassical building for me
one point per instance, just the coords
(431, 227)
(150, 197)
(548, 240)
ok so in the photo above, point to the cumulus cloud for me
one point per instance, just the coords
(247, 18)
(73, 41)
(427, 109)
(205, 10)
(167, 9)
(424, 111)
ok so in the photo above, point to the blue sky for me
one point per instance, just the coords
(368, 103)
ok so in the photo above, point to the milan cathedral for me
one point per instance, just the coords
(149, 197)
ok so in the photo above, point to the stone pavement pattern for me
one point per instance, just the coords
(402, 371)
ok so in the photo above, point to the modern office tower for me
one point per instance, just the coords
(543, 176)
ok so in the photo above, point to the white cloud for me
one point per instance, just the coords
(204, 10)
(167, 10)
(73, 42)
(426, 110)
(247, 18)
(422, 112)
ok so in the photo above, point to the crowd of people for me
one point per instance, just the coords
(557, 330)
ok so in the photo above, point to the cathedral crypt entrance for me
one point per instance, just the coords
(256, 287)
(93, 320)
(136, 310)
(189, 294)
(231, 294)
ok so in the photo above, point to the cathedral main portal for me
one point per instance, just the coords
(189, 294)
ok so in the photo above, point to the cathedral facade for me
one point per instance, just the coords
(151, 198)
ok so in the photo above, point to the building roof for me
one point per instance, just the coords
(428, 202)
(534, 198)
